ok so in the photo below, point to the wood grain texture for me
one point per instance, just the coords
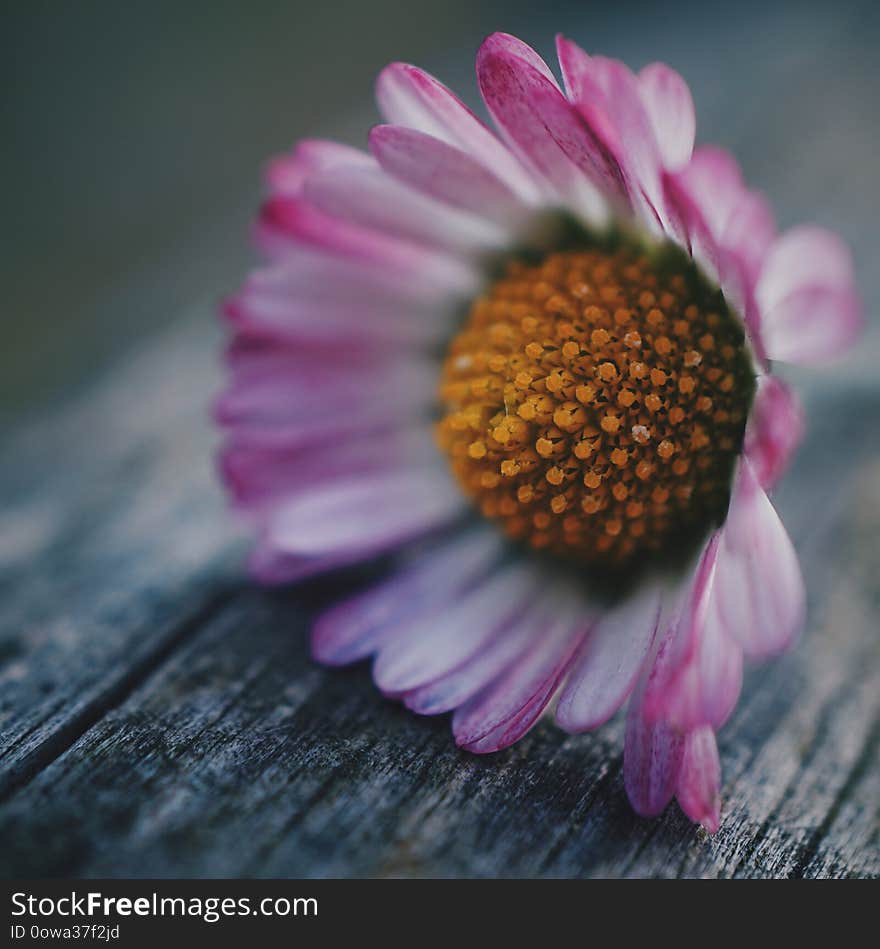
(110, 542)
(159, 716)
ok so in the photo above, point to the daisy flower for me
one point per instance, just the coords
(534, 364)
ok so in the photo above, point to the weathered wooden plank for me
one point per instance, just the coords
(239, 756)
(112, 540)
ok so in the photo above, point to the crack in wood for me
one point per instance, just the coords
(116, 691)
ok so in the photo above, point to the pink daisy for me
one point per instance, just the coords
(534, 364)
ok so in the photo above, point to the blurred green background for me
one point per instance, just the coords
(134, 134)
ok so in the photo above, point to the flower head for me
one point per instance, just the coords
(535, 365)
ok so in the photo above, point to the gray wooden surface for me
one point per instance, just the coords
(160, 716)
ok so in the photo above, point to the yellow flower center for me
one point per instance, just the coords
(594, 404)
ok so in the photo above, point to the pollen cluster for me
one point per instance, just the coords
(594, 404)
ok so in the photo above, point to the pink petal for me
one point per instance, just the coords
(651, 762)
(810, 309)
(726, 228)
(411, 98)
(608, 97)
(699, 780)
(356, 627)
(804, 256)
(743, 242)
(435, 643)
(320, 277)
(504, 44)
(504, 711)
(757, 577)
(455, 687)
(293, 387)
(689, 224)
(705, 689)
(714, 182)
(584, 88)
(690, 615)
(606, 670)
(361, 322)
(367, 514)
(286, 174)
(546, 131)
(670, 108)
(309, 435)
(272, 567)
(640, 156)
(286, 401)
(700, 677)
(774, 430)
(290, 223)
(369, 198)
(444, 172)
(749, 232)
(652, 749)
(813, 324)
(258, 475)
